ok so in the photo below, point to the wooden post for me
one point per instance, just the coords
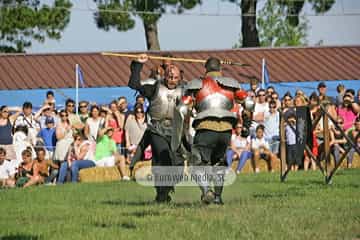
(282, 146)
(326, 142)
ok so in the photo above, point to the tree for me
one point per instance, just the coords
(249, 32)
(22, 21)
(119, 14)
(276, 31)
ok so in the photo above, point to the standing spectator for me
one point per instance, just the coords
(287, 101)
(337, 140)
(6, 127)
(140, 99)
(44, 113)
(340, 89)
(78, 158)
(115, 120)
(272, 126)
(254, 85)
(239, 148)
(106, 153)
(322, 89)
(357, 100)
(28, 119)
(50, 98)
(93, 124)
(261, 106)
(292, 160)
(269, 91)
(135, 127)
(353, 134)
(275, 97)
(261, 150)
(74, 119)
(83, 111)
(7, 171)
(64, 137)
(48, 136)
(347, 111)
(123, 106)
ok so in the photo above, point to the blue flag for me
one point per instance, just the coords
(81, 76)
(266, 76)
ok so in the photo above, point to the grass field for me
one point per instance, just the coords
(256, 207)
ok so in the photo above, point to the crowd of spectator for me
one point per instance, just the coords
(51, 146)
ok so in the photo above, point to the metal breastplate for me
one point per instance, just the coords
(163, 105)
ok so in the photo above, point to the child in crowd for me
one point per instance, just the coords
(48, 136)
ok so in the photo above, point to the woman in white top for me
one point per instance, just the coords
(93, 124)
(64, 137)
(78, 157)
(239, 149)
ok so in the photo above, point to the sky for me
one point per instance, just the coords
(194, 31)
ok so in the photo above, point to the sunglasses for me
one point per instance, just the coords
(70, 105)
(139, 111)
(261, 95)
(5, 111)
(239, 127)
(272, 106)
(63, 115)
(84, 106)
(340, 122)
(287, 99)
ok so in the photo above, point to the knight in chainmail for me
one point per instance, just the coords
(163, 95)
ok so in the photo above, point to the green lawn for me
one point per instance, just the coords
(256, 207)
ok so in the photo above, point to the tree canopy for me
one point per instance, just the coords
(22, 21)
(120, 14)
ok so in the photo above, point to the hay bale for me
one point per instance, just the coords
(99, 174)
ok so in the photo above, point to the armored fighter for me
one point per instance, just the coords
(163, 96)
(213, 98)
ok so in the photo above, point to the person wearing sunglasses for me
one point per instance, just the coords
(6, 130)
(337, 140)
(64, 136)
(73, 118)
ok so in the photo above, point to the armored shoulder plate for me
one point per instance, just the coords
(194, 84)
(228, 82)
(149, 81)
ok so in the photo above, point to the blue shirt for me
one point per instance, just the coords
(49, 138)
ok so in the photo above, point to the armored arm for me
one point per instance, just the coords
(147, 87)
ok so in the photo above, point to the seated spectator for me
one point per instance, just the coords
(106, 154)
(48, 170)
(353, 133)
(79, 157)
(7, 171)
(28, 173)
(272, 127)
(261, 150)
(21, 142)
(48, 136)
(337, 140)
(239, 148)
(64, 137)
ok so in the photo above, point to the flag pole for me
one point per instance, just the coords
(263, 74)
(77, 88)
